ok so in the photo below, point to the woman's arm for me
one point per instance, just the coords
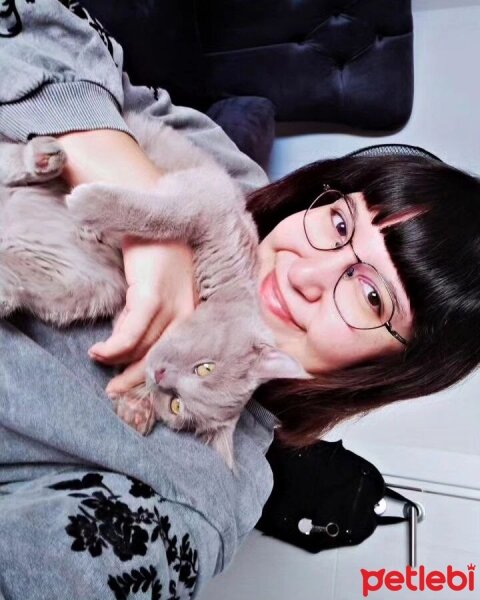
(109, 156)
(57, 74)
(160, 276)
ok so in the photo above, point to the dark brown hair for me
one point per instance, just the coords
(437, 256)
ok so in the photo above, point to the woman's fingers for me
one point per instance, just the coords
(96, 348)
(133, 375)
(128, 332)
(160, 289)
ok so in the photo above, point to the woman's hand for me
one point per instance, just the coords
(161, 292)
(160, 277)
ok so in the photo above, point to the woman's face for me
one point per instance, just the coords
(302, 279)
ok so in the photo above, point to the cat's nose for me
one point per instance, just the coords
(159, 373)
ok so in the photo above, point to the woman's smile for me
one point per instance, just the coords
(273, 299)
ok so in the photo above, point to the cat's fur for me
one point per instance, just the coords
(60, 259)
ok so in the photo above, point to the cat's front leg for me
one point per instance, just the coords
(103, 208)
(136, 410)
(39, 160)
(112, 209)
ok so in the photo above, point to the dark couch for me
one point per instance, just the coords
(249, 62)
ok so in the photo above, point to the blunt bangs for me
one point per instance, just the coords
(433, 249)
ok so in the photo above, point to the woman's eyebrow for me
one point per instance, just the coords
(390, 286)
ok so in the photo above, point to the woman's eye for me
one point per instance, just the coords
(372, 297)
(340, 224)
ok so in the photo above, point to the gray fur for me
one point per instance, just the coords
(60, 259)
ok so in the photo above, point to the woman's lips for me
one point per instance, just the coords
(273, 299)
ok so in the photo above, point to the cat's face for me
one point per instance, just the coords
(202, 375)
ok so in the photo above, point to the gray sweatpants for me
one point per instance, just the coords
(91, 509)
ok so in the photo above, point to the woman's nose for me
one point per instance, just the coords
(312, 276)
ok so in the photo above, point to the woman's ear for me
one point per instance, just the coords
(276, 364)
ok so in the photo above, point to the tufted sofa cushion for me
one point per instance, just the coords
(250, 122)
(337, 61)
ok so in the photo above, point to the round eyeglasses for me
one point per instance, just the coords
(361, 295)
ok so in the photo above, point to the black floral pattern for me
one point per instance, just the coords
(10, 22)
(94, 23)
(87, 534)
(142, 490)
(127, 583)
(105, 522)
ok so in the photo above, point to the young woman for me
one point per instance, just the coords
(416, 221)
(368, 276)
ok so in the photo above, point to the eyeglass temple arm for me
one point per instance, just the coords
(395, 334)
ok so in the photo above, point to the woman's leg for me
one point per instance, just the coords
(76, 519)
(93, 534)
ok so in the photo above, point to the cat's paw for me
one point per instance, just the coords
(44, 158)
(89, 203)
(137, 412)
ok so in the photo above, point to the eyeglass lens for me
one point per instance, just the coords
(329, 221)
(360, 294)
(362, 298)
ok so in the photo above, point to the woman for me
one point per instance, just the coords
(88, 508)
(424, 237)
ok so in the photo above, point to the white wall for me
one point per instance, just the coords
(418, 5)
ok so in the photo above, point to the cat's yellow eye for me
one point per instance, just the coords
(204, 369)
(176, 406)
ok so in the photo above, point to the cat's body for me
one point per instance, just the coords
(60, 259)
(48, 264)
(73, 272)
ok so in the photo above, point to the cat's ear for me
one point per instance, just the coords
(222, 442)
(275, 364)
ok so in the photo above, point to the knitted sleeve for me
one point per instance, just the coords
(60, 71)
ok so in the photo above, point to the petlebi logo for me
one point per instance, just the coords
(418, 580)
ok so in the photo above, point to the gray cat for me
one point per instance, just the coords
(60, 259)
